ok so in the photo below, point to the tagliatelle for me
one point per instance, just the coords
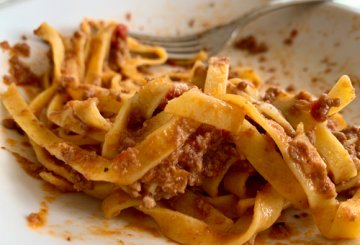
(216, 157)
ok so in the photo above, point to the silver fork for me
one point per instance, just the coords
(214, 39)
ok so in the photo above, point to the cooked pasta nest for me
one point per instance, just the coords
(204, 147)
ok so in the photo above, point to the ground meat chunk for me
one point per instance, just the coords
(177, 90)
(332, 124)
(118, 48)
(289, 40)
(193, 152)
(299, 106)
(21, 73)
(215, 158)
(125, 160)
(5, 45)
(312, 166)
(204, 154)
(340, 136)
(215, 149)
(350, 138)
(303, 95)
(236, 88)
(321, 107)
(22, 49)
(149, 202)
(165, 180)
(302, 103)
(134, 189)
(290, 88)
(251, 44)
(272, 93)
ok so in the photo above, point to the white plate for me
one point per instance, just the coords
(328, 31)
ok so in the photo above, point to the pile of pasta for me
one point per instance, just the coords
(197, 146)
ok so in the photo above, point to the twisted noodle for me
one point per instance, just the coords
(184, 152)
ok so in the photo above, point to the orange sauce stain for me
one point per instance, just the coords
(11, 142)
(38, 219)
(51, 193)
(53, 231)
(50, 199)
(31, 168)
(67, 236)
(50, 189)
(142, 228)
(104, 231)
(136, 222)
(140, 222)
